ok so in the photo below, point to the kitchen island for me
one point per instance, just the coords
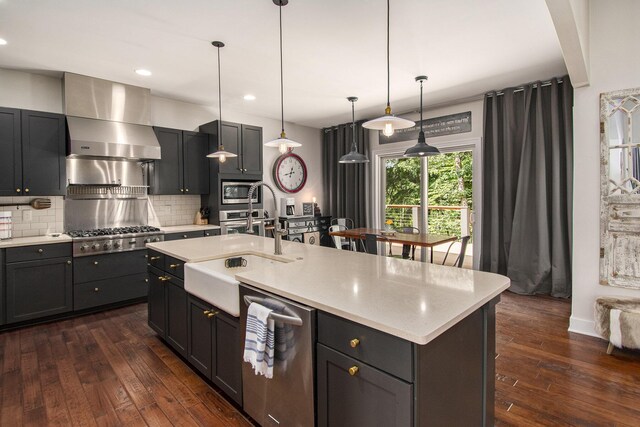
(427, 331)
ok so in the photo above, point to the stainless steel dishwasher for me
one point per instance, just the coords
(288, 398)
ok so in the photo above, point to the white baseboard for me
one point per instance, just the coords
(583, 326)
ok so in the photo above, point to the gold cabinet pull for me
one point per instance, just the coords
(69, 262)
(354, 342)
(95, 263)
(154, 258)
(174, 266)
(96, 289)
(353, 370)
(17, 190)
(40, 251)
(146, 280)
(26, 190)
(210, 313)
(164, 278)
(184, 236)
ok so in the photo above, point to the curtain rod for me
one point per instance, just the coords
(521, 88)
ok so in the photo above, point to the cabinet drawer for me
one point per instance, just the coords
(155, 259)
(351, 393)
(174, 266)
(108, 291)
(36, 252)
(185, 235)
(381, 350)
(99, 267)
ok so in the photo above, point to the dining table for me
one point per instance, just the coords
(424, 240)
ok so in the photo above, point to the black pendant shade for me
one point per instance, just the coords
(353, 156)
(421, 149)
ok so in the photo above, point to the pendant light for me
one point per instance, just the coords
(421, 149)
(283, 143)
(388, 123)
(353, 156)
(220, 153)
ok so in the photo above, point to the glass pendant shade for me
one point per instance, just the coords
(353, 156)
(220, 153)
(421, 149)
(388, 123)
(283, 143)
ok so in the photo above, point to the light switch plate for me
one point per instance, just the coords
(27, 215)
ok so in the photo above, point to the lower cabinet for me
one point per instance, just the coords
(38, 288)
(352, 393)
(214, 346)
(208, 338)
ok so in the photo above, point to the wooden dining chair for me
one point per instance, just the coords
(370, 243)
(463, 249)
(409, 251)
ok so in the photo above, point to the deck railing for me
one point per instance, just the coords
(409, 216)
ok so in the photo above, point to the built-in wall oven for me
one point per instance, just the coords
(236, 192)
(235, 222)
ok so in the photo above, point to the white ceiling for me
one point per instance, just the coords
(332, 49)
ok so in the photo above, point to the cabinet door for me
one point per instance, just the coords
(43, 154)
(251, 149)
(196, 163)
(369, 397)
(200, 330)
(38, 288)
(176, 314)
(167, 175)
(2, 321)
(231, 139)
(10, 153)
(156, 303)
(226, 370)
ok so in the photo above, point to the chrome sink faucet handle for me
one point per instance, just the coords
(278, 231)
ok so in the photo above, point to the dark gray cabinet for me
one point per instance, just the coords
(192, 234)
(32, 153)
(176, 302)
(156, 302)
(2, 319)
(243, 140)
(109, 278)
(184, 167)
(214, 346)
(36, 289)
(352, 393)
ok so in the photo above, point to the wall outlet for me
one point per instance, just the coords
(27, 215)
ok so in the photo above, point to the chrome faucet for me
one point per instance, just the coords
(278, 233)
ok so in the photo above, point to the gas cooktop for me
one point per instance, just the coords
(100, 232)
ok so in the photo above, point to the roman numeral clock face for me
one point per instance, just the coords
(290, 173)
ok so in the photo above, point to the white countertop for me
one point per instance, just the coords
(188, 227)
(36, 240)
(409, 299)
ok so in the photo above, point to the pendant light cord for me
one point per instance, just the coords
(281, 74)
(420, 105)
(354, 146)
(388, 72)
(219, 103)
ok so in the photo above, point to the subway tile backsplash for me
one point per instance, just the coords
(43, 222)
(163, 211)
(173, 210)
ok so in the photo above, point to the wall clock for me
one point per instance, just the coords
(290, 173)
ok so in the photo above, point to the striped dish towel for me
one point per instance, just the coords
(259, 340)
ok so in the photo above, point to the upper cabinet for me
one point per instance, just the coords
(32, 153)
(184, 168)
(243, 140)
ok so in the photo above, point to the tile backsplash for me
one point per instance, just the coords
(173, 210)
(42, 222)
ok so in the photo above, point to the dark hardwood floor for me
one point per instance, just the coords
(110, 369)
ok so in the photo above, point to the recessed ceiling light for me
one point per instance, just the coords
(3, 42)
(249, 97)
(143, 72)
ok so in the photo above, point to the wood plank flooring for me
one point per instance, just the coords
(110, 369)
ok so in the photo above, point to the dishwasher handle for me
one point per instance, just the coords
(290, 318)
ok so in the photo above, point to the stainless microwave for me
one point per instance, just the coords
(237, 193)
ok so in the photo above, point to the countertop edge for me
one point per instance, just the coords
(17, 242)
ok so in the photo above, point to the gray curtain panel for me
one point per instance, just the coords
(527, 187)
(346, 185)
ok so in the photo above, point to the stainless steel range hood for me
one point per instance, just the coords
(108, 120)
